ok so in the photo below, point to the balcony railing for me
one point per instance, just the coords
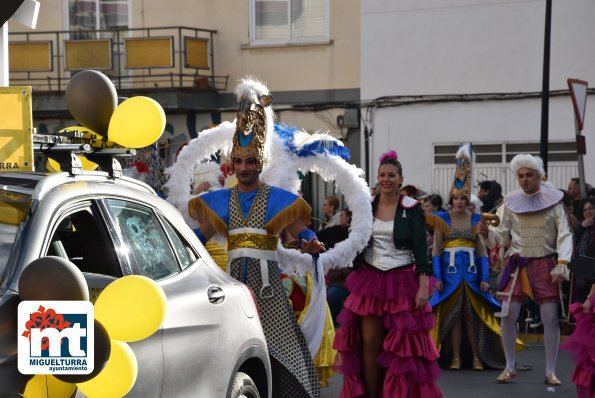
(141, 58)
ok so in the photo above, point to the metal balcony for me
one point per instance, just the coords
(156, 59)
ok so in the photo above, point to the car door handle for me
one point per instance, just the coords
(216, 295)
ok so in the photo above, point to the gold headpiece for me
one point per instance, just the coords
(462, 180)
(254, 122)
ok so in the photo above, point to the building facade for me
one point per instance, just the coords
(439, 73)
(306, 51)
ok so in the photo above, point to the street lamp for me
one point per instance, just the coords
(545, 90)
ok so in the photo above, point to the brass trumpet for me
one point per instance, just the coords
(490, 219)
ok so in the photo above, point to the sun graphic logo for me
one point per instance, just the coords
(55, 337)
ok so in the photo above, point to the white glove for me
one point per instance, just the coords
(561, 269)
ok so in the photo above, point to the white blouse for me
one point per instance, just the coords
(383, 254)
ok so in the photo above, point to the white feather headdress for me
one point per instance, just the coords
(253, 92)
(463, 178)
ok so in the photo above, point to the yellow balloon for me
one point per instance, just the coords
(137, 122)
(48, 386)
(118, 376)
(131, 308)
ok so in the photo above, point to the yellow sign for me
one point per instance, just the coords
(16, 129)
(149, 52)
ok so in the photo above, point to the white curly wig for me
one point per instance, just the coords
(528, 161)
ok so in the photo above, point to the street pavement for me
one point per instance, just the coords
(482, 384)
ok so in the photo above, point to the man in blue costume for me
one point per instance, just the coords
(251, 215)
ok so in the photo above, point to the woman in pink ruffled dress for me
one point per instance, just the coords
(384, 344)
(581, 345)
(582, 341)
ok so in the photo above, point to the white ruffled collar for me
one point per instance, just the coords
(519, 202)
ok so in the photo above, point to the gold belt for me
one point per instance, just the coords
(459, 242)
(250, 240)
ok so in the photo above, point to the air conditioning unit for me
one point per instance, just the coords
(349, 119)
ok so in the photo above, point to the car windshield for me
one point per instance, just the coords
(13, 210)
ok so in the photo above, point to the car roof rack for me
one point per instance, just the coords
(65, 155)
(64, 148)
(106, 159)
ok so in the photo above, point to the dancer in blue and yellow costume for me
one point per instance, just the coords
(461, 266)
(299, 289)
(251, 215)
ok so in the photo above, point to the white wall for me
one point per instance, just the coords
(437, 47)
(414, 47)
(412, 130)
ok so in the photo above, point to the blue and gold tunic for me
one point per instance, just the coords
(252, 222)
(461, 264)
(459, 260)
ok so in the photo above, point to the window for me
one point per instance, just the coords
(557, 151)
(503, 153)
(185, 253)
(86, 17)
(79, 238)
(141, 232)
(13, 211)
(492, 162)
(97, 14)
(289, 21)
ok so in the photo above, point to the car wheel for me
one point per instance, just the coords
(243, 387)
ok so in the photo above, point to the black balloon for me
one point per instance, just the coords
(52, 278)
(91, 98)
(9, 304)
(103, 348)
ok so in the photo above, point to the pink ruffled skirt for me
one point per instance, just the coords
(581, 344)
(409, 354)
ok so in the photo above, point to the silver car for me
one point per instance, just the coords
(211, 343)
